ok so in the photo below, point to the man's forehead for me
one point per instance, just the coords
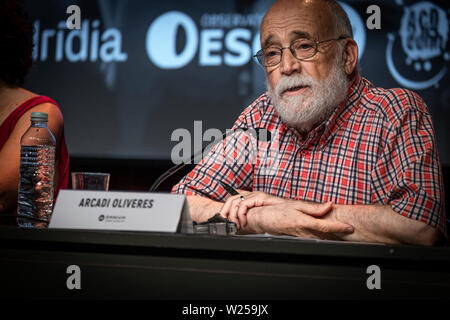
(292, 18)
(273, 38)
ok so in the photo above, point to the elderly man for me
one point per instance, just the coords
(356, 162)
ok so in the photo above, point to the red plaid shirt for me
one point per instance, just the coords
(378, 147)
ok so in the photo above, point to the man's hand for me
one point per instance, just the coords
(290, 218)
(282, 216)
(235, 209)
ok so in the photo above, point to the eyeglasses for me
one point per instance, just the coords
(301, 49)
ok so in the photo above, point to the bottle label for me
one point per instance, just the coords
(35, 200)
(37, 155)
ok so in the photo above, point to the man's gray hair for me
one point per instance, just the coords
(343, 26)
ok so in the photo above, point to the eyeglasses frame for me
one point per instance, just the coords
(316, 49)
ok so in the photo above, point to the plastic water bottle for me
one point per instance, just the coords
(37, 166)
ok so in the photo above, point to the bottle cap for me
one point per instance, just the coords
(39, 116)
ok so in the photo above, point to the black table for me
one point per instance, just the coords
(141, 265)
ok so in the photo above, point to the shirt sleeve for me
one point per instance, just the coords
(230, 161)
(408, 174)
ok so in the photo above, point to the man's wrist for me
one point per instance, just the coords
(201, 208)
(343, 212)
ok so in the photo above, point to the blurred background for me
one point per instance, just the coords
(138, 70)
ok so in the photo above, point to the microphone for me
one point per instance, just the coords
(261, 134)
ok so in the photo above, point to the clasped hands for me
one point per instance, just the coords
(258, 212)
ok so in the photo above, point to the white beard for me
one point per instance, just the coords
(303, 112)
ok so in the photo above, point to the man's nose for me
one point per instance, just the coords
(289, 63)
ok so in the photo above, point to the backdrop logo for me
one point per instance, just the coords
(424, 34)
(223, 39)
(161, 40)
(89, 43)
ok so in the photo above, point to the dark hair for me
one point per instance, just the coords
(16, 42)
(341, 20)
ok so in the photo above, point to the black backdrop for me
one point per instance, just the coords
(138, 70)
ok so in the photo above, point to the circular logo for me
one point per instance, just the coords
(420, 61)
(101, 217)
(161, 38)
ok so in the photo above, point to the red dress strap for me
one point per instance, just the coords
(8, 125)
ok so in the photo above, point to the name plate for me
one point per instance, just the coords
(130, 211)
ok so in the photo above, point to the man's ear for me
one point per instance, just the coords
(350, 56)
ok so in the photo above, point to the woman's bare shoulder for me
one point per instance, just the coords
(12, 98)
